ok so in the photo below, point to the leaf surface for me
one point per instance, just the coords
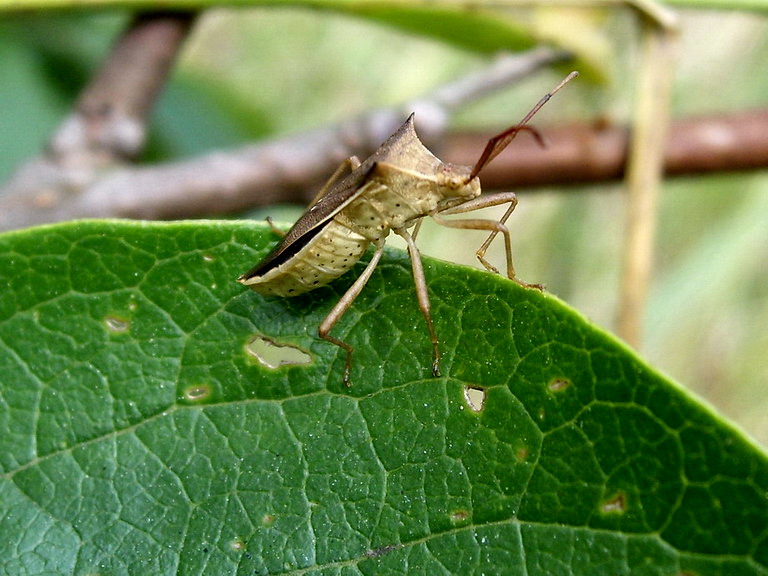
(139, 433)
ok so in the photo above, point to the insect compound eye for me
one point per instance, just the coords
(453, 177)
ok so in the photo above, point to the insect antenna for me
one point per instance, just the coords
(500, 141)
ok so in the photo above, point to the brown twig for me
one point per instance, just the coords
(74, 181)
(109, 120)
(288, 169)
(106, 127)
(597, 152)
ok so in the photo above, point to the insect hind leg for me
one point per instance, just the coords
(274, 229)
(343, 305)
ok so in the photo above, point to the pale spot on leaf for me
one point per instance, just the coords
(237, 545)
(272, 355)
(376, 553)
(116, 324)
(197, 393)
(559, 384)
(460, 516)
(267, 520)
(617, 504)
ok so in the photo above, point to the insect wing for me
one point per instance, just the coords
(313, 220)
(336, 199)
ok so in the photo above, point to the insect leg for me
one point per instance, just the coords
(343, 305)
(422, 295)
(275, 230)
(493, 226)
(348, 165)
(416, 228)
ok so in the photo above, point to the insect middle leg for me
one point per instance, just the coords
(495, 227)
(422, 294)
(343, 305)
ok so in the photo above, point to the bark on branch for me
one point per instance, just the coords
(109, 120)
(85, 177)
(86, 171)
(597, 152)
(106, 128)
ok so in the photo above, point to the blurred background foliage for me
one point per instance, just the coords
(250, 73)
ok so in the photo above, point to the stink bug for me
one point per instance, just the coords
(362, 202)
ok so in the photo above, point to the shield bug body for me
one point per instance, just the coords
(391, 191)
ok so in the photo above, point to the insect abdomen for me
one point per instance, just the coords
(387, 207)
(326, 257)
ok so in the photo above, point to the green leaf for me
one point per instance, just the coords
(139, 434)
(480, 30)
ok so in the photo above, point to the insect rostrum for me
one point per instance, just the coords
(391, 191)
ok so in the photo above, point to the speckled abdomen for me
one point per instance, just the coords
(326, 257)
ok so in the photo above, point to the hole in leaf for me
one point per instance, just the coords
(559, 384)
(116, 324)
(272, 355)
(617, 504)
(197, 393)
(475, 398)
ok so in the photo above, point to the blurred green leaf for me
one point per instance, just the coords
(139, 435)
(48, 58)
(481, 30)
(195, 117)
(724, 5)
(45, 59)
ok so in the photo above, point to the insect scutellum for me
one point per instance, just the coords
(391, 191)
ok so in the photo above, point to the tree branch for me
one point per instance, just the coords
(288, 169)
(85, 174)
(109, 120)
(597, 152)
(106, 127)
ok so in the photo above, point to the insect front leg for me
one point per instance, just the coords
(343, 305)
(495, 227)
(422, 295)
